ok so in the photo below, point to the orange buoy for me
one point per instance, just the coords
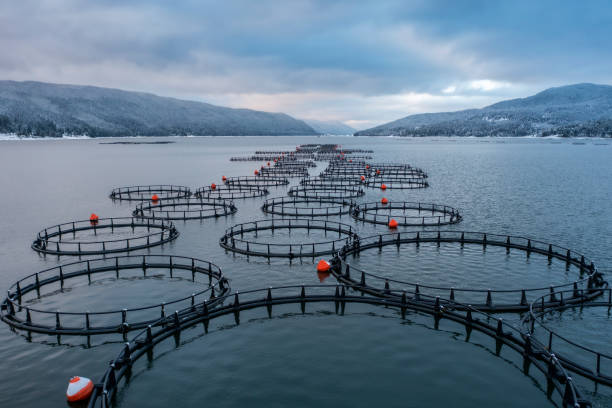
(367, 166)
(377, 171)
(384, 200)
(224, 178)
(323, 266)
(155, 198)
(362, 178)
(392, 223)
(93, 217)
(268, 163)
(213, 186)
(256, 172)
(383, 187)
(79, 389)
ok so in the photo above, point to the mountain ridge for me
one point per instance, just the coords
(47, 109)
(572, 110)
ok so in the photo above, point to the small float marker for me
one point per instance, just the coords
(79, 389)
(362, 178)
(256, 172)
(155, 198)
(213, 186)
(268, 163)
(367, 166)
(384, 200)
(323, 266)
(383, 187)
(392, 223)
(377, 171)
(224, 178)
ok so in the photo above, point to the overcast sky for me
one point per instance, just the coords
(360, 62)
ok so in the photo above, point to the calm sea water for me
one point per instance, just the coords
(552, 190)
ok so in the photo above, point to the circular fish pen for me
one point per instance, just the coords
(234, 239)
(503, 332)
(257, 181)
(283, 172)
(144, 193)
(329, 192)
(399, 183)
(589, 361)
(86, 237)
(406, 213)
(306, 207)
(185, 209)
(330, 182)
(17, 313)
(230, 192)
(479, 255)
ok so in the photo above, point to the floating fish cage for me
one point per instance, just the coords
(230, 192)
(330, 182)
(504, 332)
(66, 239)
(406, 214)
(257, 181)
(234, 239)
(396, 183)
(19, 313)
(306, 207)
(480, 297)
(185, 209)
(326, 192)
(144, 193)
(283, 172)
(586, 361)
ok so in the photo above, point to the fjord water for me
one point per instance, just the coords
(548, 189)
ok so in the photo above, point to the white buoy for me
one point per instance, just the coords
(79, 388)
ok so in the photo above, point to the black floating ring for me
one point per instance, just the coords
(234, 241)
(428, 214)
(17, 315)
(49, 240)
(144, 193)
(185, 209)
(294, 207)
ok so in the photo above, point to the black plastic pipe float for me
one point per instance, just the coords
(399, 183)
(566, 350)
(234, 239)
(144, 193)
(185, 209)
(17, 313)
(256, 181)
(230, 192)
(406, 213)
(503, 332)
(306, 207)
(330, 182)
(588, 277)
(329, 192)
(283, 172)
(52, 240)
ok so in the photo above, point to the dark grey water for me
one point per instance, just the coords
(551, 190)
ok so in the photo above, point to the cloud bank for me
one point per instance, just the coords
(360, 62)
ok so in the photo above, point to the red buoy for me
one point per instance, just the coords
(268, 163)
(350, 160)
(213, 186)
(362, 178)
(367, 166)
(224, 178)
(384, 200)
(79, 389)
(154, 198)
(392, 223)
(377, 171)
(256, 172)
(93, 219)
(383, 187)
(323, 266)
